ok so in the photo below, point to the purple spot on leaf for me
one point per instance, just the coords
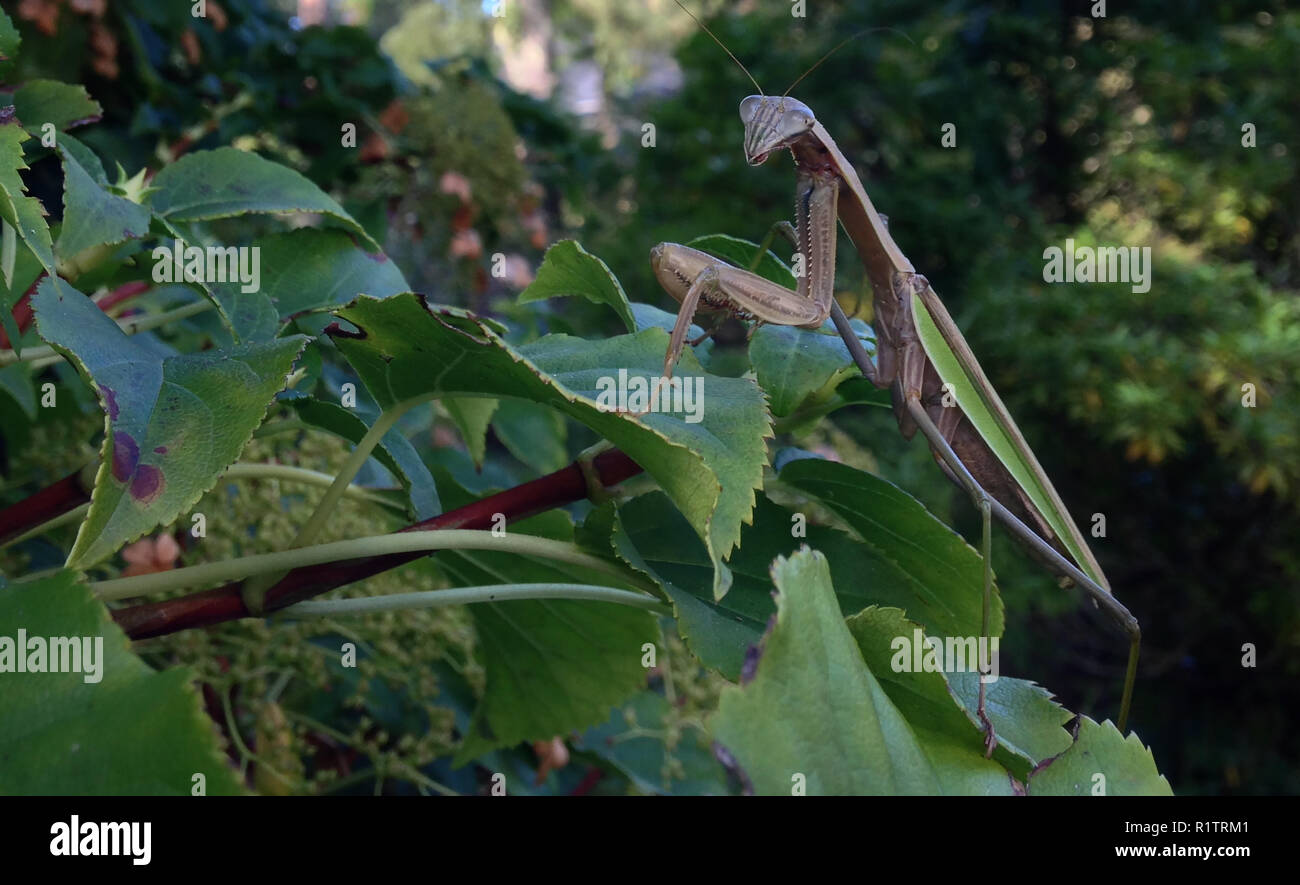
(126, 455)
(161, 450)
(749, 669)
(147, 484)
(110, 401)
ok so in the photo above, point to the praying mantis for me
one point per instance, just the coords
(936, 384)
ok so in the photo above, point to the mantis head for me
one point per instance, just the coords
(772, 123)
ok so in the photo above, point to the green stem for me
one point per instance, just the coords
(250, 470)
(411, 773)
(284, 425)
(353, 465)
(145, 323)
(38, 575)
(255, 590)
(245, 753)
(408, 770)
(355, 548)
(350, 780)
(469, 595)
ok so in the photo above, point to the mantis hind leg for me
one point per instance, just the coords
(1059, 563)
(985, 502)
(986, 550)
(856, 350)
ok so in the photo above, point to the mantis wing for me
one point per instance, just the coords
(956, 364)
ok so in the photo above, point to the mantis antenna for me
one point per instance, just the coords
(837, 48)
(724, 47)
(816, 64)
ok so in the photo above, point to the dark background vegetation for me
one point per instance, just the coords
(1123, 130)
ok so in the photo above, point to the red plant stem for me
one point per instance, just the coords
(22, 312)
(51, 501)
(225, 603)
(589, 780)
(124, 292)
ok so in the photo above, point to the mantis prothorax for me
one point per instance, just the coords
(936, 384)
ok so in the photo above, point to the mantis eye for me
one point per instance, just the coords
(749, 107)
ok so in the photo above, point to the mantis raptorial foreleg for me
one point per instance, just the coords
(698, 279)
(692, 276)
(705, 280)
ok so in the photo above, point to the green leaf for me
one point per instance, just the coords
(85, 157)
(227, 182)
(945, 574)
(813, 708)
(133, 732)
(91, 215)
(16, 380)
(394, 451)
(472, 416)
(569, 269)
(66, 105)
(861, 392)
(25, 272)
(250, 316)
(533, 434)
(173, 423)
(648, 316)
(633, 741)
(8, 253)
(654, 538)
(740, 253)
(23, 212)
(1126, 764)
(797, 365)
(1027, 723)
(405, 349)
(551, 666)
(305, 271)
(1027, 719)
(10, 40)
